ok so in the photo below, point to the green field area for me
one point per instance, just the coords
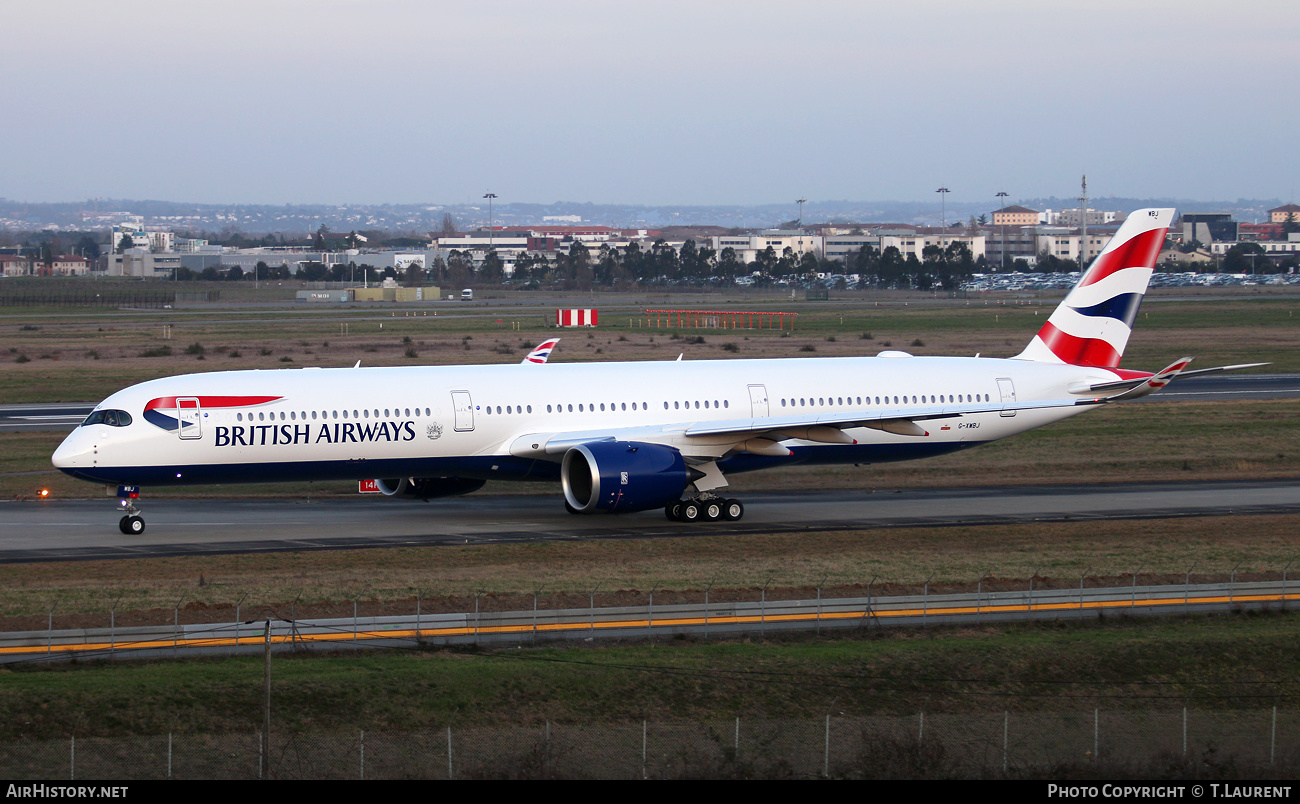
(1230, 662)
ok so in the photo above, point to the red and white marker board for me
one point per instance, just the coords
(575, 318)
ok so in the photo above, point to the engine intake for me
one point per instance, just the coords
(427, 488)
(622, 476)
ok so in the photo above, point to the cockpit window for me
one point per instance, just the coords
(113, 418)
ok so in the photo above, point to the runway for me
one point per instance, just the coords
(84, 530)
(1212, 388)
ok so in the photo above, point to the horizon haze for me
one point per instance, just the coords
(671, 103)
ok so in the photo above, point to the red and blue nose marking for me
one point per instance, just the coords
(153, 410)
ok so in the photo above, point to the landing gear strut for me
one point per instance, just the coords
(132, 524)
(704, 508)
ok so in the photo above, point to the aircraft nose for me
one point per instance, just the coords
(73, 453)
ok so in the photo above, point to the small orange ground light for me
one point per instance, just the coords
(43, 493)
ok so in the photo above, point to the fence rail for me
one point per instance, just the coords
(1263, 743)
(648, 621)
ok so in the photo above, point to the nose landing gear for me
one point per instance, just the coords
(132, 524)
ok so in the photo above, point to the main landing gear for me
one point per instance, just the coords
(705, 508)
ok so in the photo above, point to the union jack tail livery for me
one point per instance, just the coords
(1092, 325)
(541, 352)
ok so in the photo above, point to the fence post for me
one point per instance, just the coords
(1272, 742)
(176, 623)
(1006, 728)
(925, 600)
(536, 592)
(238, 605)
(820, 584)
(1284, 572)
(650, 614)
(362, 743)
(49, 638)
(72, 758)
(112, 626)
(449, 766)
(707, 589)
(1096, 735)
(826, 757)
(643, 749)
(169, 755)
(1184, 732)
(762, 611)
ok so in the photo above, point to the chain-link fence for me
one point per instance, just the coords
(1261, 743)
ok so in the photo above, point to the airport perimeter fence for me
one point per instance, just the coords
(105, 296)
(1176, 744)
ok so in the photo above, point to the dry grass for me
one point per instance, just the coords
(734, 567)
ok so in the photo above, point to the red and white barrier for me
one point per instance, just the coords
(575, 318)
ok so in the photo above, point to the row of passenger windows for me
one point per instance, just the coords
(924, 399)
(592, 407)
(293, 415)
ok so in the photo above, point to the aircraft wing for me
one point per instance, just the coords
(711, 439)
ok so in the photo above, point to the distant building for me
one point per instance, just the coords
(748, 247)
(1209, 227)
(1284, 213)
(916, 244)
(142, 262)
(1096, 217)
(1015, 216)
(69, 265)
(14, 265)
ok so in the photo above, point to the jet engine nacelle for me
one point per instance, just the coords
(427, 488)
(622, 476)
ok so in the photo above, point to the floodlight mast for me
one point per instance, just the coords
(489, 197)
(943, 219)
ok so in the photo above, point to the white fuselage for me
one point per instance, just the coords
(497, 421)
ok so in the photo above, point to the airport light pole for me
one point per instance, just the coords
(489, 197)
(943, 219)
(801, 202)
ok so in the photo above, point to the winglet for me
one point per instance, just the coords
(1155, 382)
(541, 352)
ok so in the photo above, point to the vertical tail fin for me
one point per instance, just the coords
(541, 352)
(1091, 326)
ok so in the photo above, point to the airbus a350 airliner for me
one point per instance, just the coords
(620, 437)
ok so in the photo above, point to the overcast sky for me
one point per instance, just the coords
(281, 101)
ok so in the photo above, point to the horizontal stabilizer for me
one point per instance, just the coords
(1153, 383)
(1121, 385)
